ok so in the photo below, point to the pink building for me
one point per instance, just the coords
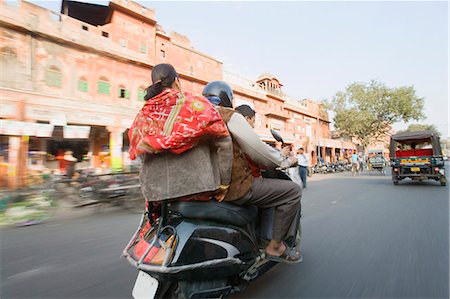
(301, 122)
(75, 80)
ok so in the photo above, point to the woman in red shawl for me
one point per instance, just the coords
(173, 122)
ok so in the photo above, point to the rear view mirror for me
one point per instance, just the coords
(276, 136)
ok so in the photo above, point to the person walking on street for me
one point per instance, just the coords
(303, 164)
(361, 164)
(355, 163)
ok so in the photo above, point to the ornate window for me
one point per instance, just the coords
(83, 84)
(141, 93)
(103, 86)
(123, 93)
(53, 77)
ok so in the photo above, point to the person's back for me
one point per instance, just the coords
(183, 142)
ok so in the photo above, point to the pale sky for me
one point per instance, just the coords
(318, 48)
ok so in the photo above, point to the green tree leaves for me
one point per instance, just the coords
(368, 110)
(423, 127)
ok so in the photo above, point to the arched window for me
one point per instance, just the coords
(53, 76)
(8, 53)
(141, 93)
(11, 71)
(123, 93)
(83, 84)
(103, 86)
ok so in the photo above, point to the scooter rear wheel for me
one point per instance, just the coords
(189, 289)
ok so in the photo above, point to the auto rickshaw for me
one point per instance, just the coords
(418, 156)
(376, 161)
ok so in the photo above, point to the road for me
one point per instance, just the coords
(362, 237)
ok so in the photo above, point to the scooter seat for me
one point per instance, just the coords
(220, 212)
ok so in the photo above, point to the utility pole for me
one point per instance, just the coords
(318, 139)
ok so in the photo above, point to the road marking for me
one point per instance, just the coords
(333, 202)
(30, 273)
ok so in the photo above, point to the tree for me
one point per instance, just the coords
(367, 111)
(422, 127)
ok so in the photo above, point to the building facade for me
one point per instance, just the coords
(74, 81)
(300, 122)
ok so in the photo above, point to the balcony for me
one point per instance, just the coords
(278, 114)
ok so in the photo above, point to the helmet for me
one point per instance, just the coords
(219, 93)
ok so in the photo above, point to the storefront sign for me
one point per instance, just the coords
(90, 119)
(12, 127)
(41, 114)
(61, 118)
(43, 130)
(58, 120)
(78, 132)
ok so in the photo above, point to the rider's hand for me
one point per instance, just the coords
(278, 145)
(285, 151)
(293, 159)
(221, 192)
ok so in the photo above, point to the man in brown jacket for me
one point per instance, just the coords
(244, 189)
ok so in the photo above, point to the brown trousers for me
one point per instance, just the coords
(284, 196)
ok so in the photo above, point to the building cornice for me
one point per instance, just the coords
(293, 108)
(275, 97)
(163, 35)
(132, 13)
(277, 115)
(195, 51)
(248, 94)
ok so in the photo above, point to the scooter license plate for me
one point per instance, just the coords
(145, 286)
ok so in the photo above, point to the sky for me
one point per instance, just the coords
(318, 48)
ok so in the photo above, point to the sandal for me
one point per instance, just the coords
(289, 256)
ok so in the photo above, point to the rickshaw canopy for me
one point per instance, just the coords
(416, 137)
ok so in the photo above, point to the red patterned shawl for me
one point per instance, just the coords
(174, 121)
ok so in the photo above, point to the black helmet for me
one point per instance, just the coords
(221, 90)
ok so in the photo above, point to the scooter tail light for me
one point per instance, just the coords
(396, 169)
(436, 169)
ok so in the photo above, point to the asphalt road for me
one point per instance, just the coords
(363, 237)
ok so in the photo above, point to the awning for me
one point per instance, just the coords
(13, 127)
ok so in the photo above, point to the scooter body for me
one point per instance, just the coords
(203, 249)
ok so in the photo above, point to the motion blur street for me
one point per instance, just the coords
(363, 237)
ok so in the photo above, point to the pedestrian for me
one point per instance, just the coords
(355, 163)
(361, 163)
(303, 164)
(70, 161)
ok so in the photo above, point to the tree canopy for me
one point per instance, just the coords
(367, 111)
(422, 127)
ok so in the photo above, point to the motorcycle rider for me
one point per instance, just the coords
(245, 189)
(179, 135)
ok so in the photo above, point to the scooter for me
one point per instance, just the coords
(202, 249)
